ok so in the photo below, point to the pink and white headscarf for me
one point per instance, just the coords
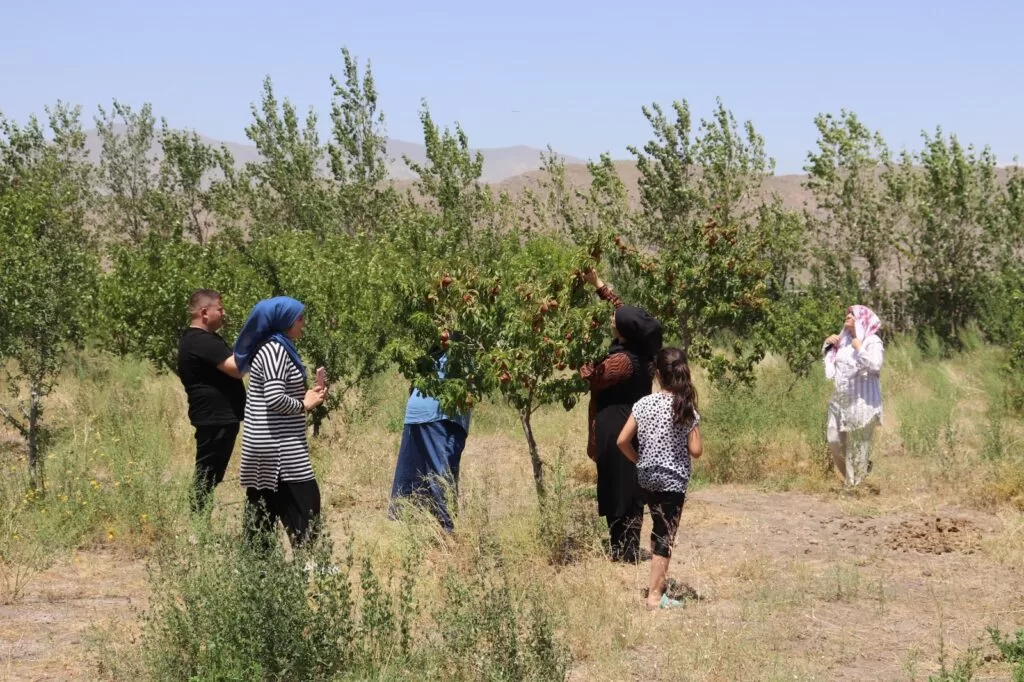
(865, 324)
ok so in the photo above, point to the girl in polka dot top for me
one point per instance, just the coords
(666, 425)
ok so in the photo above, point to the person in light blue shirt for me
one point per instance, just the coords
(427, 470)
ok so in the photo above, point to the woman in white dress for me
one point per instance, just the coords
(853, 362)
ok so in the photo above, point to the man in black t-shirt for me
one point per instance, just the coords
(216, 394)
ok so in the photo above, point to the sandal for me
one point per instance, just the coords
(666, 603)
(676, 590)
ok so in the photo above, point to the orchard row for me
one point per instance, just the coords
(108, 254)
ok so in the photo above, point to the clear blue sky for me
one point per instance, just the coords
(573, 74)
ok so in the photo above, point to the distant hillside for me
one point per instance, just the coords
(507, 168)
(789, 187)
(500, 163)
(512, 168)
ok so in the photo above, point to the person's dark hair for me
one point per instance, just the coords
(200, 299)
(675, 376)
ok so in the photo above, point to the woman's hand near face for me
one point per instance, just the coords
(832, 340)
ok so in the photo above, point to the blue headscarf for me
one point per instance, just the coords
(269, 319)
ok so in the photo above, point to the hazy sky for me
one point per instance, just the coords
(572, 74)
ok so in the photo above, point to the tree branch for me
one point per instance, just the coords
(10, 419)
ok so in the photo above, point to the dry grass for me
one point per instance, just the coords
(796, 581)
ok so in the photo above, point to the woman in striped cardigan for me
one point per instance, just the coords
(275, 470)
(853, 362)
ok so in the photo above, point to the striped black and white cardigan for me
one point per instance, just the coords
(274, 445)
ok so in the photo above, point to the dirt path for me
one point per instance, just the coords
(45, 635)
(838, 589)
(845, 590)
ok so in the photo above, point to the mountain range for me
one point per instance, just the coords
(500, 163)
(506, 168)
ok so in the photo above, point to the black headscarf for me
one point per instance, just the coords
(641, 331)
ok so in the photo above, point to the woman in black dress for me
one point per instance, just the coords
(617, 381)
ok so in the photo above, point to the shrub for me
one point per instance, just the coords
(773, 431)
(1011, 649)
(568, 529)
(224, 610)
(1014, 374)
(493, 630)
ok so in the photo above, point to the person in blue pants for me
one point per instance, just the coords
(427, 471)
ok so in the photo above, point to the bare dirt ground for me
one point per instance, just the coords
(802, 586)
(825, 587)
(45, 635)
(873, 589)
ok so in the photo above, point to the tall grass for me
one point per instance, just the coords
(223, 610)
(953, 424)
(512, 593)
(122, 468)
(945, 421)
(772, 433)
(115, 475)
(122, 455)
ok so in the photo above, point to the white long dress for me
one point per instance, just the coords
(855, 407)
